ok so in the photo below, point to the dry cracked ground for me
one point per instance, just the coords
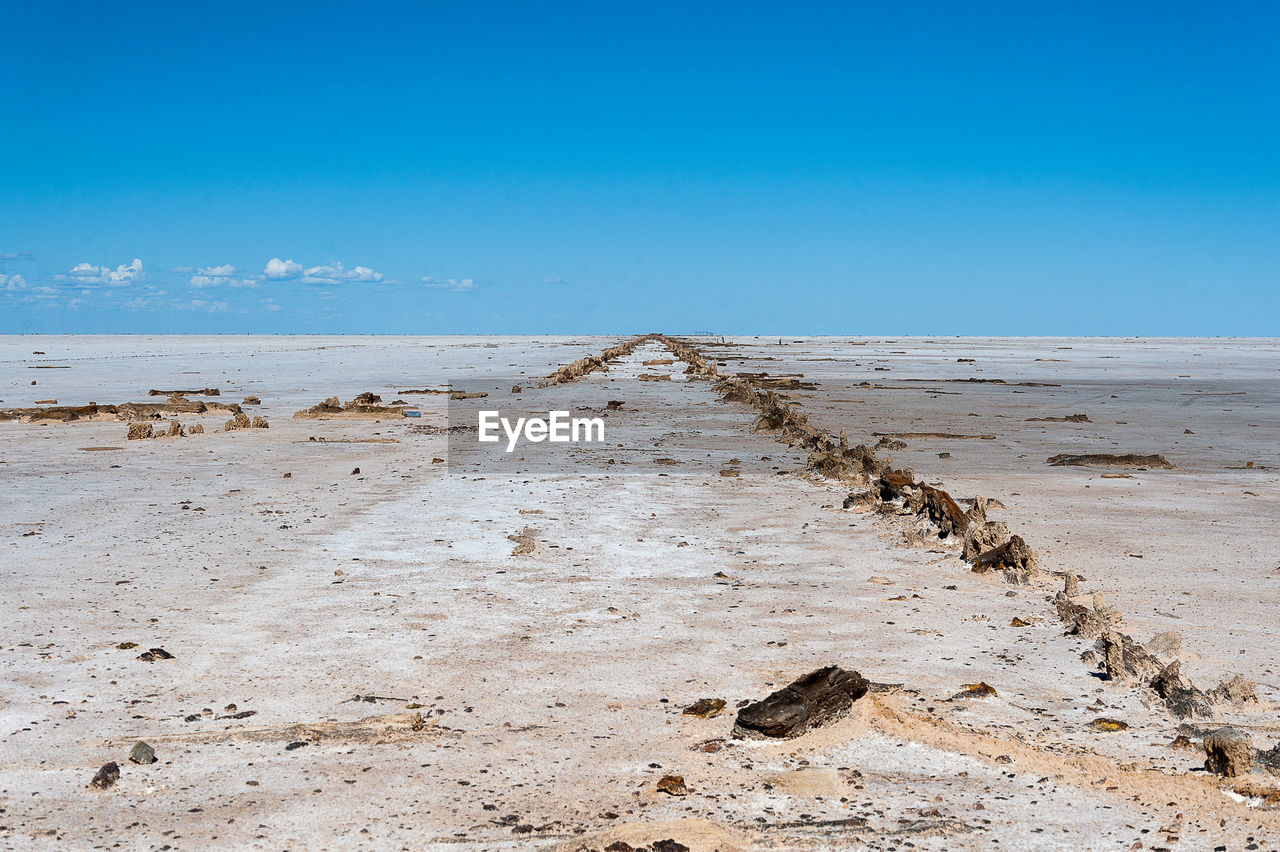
(373, 640)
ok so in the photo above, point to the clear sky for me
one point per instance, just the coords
(843, 168)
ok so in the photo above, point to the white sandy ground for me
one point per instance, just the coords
(552, 683)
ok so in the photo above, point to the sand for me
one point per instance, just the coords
(453, 694)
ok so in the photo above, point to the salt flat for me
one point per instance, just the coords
(533, 701)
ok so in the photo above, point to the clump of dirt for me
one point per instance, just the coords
(240, 421)
(140, 432)
(526, 541)
(655, 377)
(251, 400)
(1126, 460)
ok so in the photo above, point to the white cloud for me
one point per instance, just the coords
(87, 273)
(281, 270)
(12, 282)
(213, 276)
(455, 284)
(334, 273)
(556, 280)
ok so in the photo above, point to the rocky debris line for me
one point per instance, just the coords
(242, 421)
(128, 412)
(987, 545)
(366, 405)
(1127, 460)
(814, 700)
(201, 392)
(1125, 660)
(595, 363)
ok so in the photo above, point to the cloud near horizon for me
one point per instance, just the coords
(455, 285)
(87, 273)
(335, 273)
(212, 276)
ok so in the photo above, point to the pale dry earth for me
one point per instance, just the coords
(550, 684)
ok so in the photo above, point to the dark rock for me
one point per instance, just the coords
(106, 777)
(668, 845)
(142, 754)
(150, 656)
(814, 700)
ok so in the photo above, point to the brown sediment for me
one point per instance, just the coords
(1069, 418)
(1128, 460)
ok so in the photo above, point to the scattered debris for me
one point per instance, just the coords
(150, 656)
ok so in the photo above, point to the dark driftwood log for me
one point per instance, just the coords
(815, 699)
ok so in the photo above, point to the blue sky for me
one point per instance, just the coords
(848, 168)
